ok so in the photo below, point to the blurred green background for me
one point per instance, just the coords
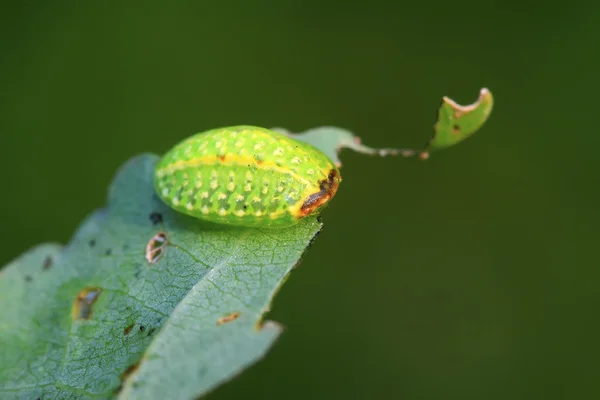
(473, 275)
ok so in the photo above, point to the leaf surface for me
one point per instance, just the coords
(95, 319)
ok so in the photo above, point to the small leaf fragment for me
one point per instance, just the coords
(456, 123)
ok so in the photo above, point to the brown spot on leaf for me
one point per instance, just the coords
(456, 129)
(228, 318)
(127, 329)
(156, 246)
(82, 306)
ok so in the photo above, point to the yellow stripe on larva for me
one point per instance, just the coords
(231, 160)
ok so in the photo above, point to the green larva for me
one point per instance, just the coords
(246, 176)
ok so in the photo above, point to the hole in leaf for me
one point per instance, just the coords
(228, 318)
(82, 307)
(155, 248)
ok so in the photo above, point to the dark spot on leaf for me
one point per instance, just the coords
(28, 278)
(228, 318)
(125, 247)
(108, 252)
(156, 218)
(127, 329)
(151, 331)
(456, 129)
(245, 206)
(82, 307)
(47, 263)
(142, 328)
(92, 242)
(156, 246)
(222, 157)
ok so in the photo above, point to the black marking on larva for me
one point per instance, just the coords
(156, 218)
(47, 263)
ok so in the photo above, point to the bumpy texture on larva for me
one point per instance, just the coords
(246, 176)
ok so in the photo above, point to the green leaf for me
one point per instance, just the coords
(95, 319)
(456, 123)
